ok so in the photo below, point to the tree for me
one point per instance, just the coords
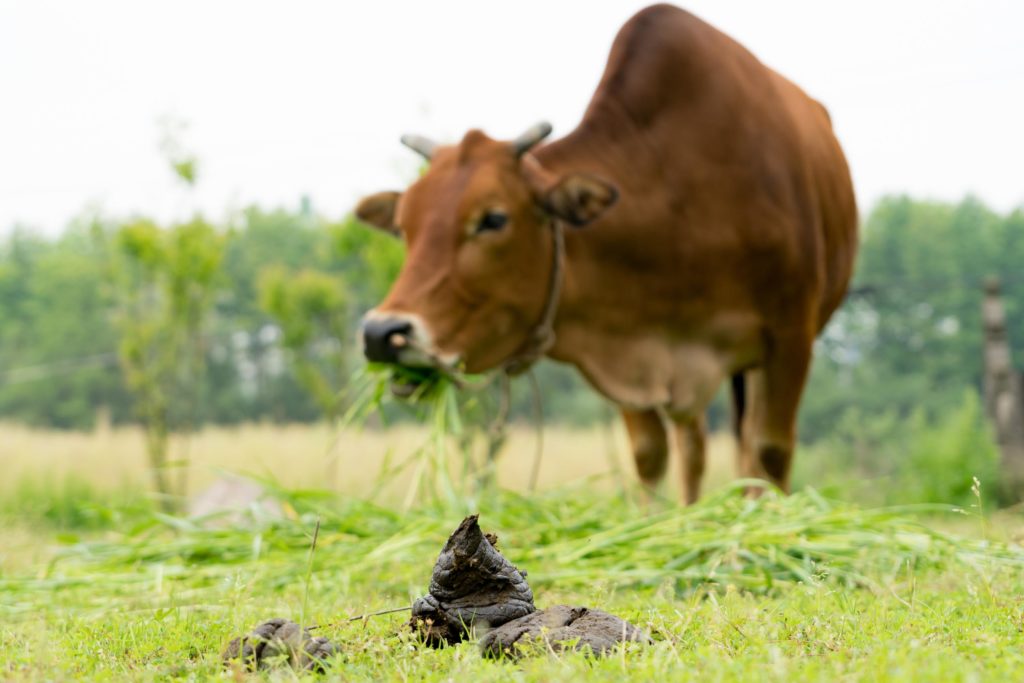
(909, 335)
(164, 282)
(311, 308)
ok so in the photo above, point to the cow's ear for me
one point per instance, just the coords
(378, 210)
(579, 198)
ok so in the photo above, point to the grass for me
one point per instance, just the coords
(796, 588)
(97, 585)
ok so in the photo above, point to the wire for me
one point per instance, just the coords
(967, 282)
(972, 281)
(65, 366)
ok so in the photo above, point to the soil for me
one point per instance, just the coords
(472, 586)
(558, 628)
(279, 642)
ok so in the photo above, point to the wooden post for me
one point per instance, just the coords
(1003, 398)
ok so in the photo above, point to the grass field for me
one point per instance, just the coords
(795, 588)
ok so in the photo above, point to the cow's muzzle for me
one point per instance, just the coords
(400, 338)
(384, 339)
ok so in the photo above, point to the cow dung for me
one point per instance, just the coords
(472, 588)
(279, 642)
(558, 628)
(472, 585)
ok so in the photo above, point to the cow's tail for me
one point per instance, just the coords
(739, 403)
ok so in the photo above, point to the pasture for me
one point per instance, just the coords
(95, 584)
(257, 360)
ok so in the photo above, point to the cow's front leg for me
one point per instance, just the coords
(690, 439)
(774, 392)
(649, 439)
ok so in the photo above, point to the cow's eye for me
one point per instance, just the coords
(492, 220)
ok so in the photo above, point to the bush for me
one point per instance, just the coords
(886, 459)
(72, 504)
(945, 456)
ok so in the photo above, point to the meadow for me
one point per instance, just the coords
(96, 584)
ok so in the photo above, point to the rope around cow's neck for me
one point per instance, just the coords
(542, 337)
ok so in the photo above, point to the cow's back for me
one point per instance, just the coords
(729, 168)
(832, 191)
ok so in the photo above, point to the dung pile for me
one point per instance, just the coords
(473, 588)
(279, 642)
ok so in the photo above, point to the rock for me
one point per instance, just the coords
(560, 627)
(229, 500)
(279, 642)
(472, 585)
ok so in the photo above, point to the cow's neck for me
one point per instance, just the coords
(542, 338)
(615, 300)
(600, 258)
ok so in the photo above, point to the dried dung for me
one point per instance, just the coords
(279, 642)
(558, 628)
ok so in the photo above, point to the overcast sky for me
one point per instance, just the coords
(304, 97)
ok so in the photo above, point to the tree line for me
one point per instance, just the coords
(253, 319)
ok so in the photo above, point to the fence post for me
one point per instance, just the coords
(1002, 385)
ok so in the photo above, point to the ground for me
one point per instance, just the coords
(942, 634)
(783, 589)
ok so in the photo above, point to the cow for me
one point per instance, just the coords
(698, 225)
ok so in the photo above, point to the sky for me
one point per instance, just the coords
(285, 99)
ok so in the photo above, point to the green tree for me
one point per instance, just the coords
(164, 282)
(909, 336)
(311, 308)
(56, 336)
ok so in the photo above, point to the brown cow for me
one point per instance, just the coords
(711, 233)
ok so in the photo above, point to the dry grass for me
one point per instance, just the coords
(315, 456)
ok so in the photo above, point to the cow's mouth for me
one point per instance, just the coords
(414, 383)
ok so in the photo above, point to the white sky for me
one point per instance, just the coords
(304, 97)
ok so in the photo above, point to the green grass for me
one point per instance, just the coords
(796, 588)
(69, 503)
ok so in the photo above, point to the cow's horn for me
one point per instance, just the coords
(531, 137)
(421, 145)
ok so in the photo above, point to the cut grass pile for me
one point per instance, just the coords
(568, 539)
(730, 588)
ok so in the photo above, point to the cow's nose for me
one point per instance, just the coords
(383, 338)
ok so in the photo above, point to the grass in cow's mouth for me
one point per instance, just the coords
(448, 466)
(417, 384)
(374, 386)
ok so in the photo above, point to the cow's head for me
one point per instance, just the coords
(479, 261)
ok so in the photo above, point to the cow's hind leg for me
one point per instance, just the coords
(649, 440)
(745, 422)
(690, 439)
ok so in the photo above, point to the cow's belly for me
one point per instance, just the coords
(681, 377)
